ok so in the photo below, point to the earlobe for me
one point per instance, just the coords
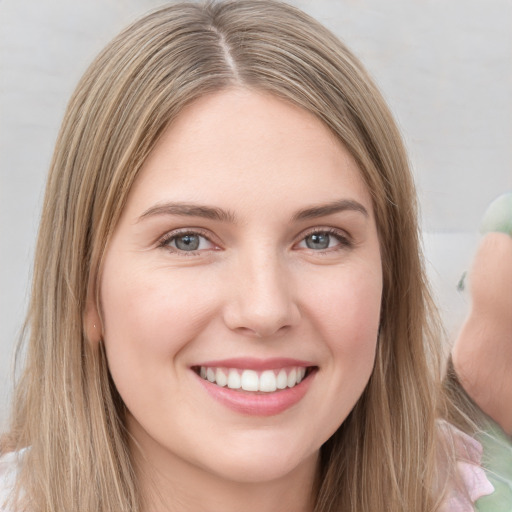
(92, 323)
(91, 318)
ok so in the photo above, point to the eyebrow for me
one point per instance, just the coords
(189, 210)
(323, 210)
(218, 214)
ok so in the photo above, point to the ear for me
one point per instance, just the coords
(91, 317)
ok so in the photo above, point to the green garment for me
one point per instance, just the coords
(497, 459)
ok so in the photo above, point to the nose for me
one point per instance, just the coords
(262, 300)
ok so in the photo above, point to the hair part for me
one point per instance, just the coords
(66, 407)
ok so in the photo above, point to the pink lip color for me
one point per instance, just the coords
(252, 363)
(257, 404)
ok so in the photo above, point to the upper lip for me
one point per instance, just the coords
(252, 363)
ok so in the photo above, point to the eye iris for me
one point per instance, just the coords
(187, 242)
(318, 241)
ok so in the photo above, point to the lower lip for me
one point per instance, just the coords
(262, 404)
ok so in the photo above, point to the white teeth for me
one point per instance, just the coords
(250, 381)
(292, 378)
(234, 381)
(221, 377)
(267, 381)
(282, 380)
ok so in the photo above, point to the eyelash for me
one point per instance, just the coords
(342, 237)
(166, 239)
(344, 240)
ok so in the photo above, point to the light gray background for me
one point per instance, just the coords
(443, 65)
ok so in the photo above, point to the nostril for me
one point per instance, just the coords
(262, 332)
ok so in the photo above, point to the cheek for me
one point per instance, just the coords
(346, 312)
(347, 309)
(149, 316)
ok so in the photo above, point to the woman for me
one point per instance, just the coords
(229, 309)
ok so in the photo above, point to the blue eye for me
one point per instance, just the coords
(323, 240)
(318, 241)
(186, 242)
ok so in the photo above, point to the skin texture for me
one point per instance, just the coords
(482, 354)
(253, 288)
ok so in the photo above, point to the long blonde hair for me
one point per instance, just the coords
(66, 408)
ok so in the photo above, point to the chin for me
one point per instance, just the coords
(258, 466)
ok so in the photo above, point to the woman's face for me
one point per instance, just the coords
(241, 290)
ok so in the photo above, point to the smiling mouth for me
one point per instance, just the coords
(267, 381)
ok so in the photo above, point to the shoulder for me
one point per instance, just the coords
(9, 464)
(470, 482)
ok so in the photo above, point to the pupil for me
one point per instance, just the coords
(318, 241)
(187, 242)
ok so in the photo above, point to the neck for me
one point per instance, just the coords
(178, 494)
(169, 483)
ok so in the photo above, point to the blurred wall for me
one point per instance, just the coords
(443, 65)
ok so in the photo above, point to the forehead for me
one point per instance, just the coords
(238, 146)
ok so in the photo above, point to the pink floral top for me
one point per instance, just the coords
(473, 482)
